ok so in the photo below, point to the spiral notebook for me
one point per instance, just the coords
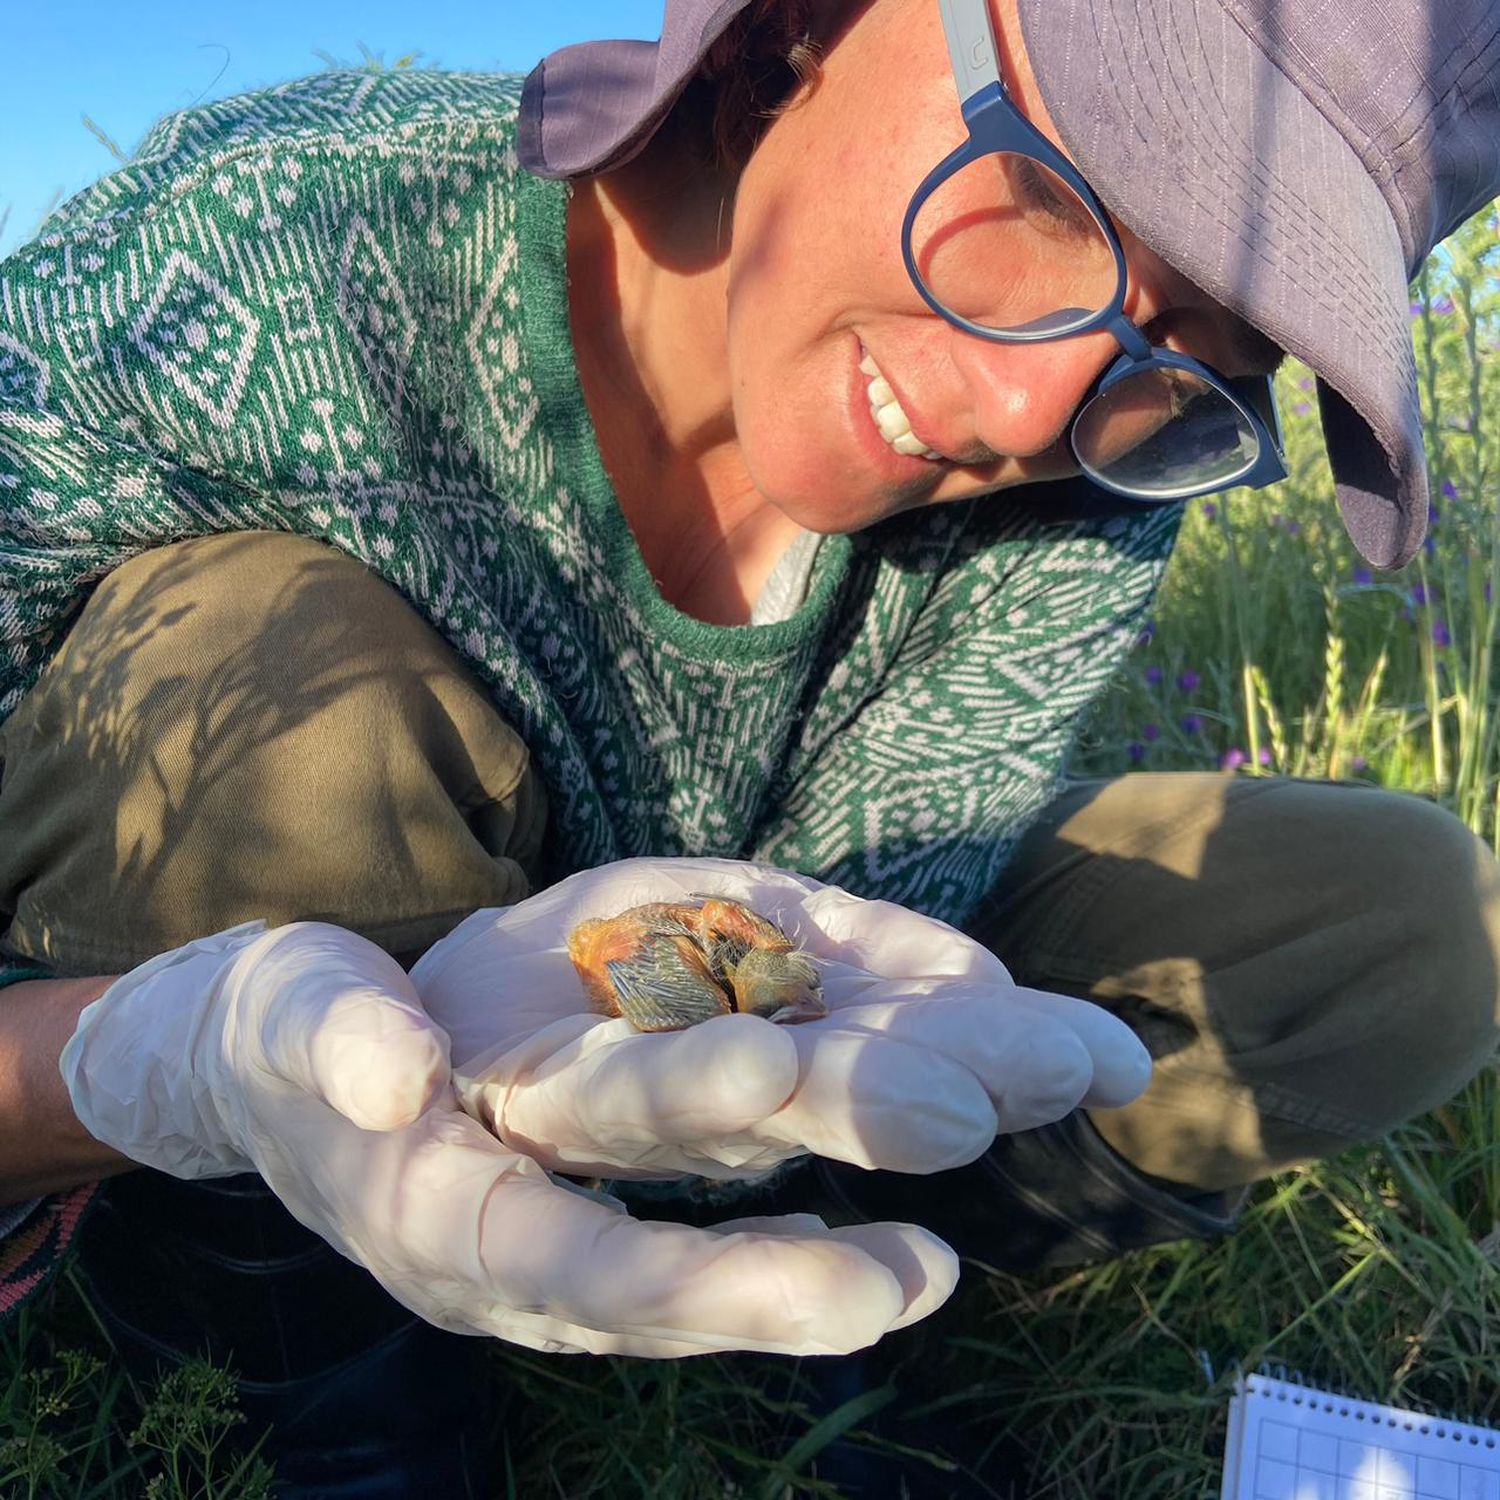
(1291, 1441)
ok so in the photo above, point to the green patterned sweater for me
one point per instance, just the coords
(338, 307)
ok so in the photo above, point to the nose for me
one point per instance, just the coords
(1023, 396)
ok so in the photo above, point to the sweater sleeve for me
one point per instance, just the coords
(124, 337)
(920, 794)
(260, 323)
(132, 330)
(92, 470)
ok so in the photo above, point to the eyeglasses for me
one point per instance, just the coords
(1005, 240)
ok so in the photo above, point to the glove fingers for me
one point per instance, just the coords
(1121, 1062)
(338, 1017)
(479, 1240)
(1032, 1064)
(612, 1096)
(926, 1267)
(1039, 1054)
(875, 1101)
(627, 1279)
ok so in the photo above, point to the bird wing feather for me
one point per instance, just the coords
(666, 985)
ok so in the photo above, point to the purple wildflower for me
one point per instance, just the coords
(1210, 510)
(1192, 724)
(1265, 755)
(1443, 306)
(1434, 515)
(1450, 490)
(1232, 760)
(1294, 528)
(1358, 763)
(1416, 309)
(1418, 593)
(1136, 751)
(1363, 575)
(1153, 676)
(1187, 682)
(1441, 635)
(1429, 545)
(1150, 732)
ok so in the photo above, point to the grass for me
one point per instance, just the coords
(1272, 650)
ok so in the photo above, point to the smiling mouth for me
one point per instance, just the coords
(885, 410)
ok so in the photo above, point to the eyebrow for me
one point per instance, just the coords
(1252, 351)
(1251, 348)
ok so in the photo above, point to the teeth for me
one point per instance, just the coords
(894, 424)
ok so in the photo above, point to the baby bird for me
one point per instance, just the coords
(668, 965)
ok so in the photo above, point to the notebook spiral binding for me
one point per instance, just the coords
(1437, 1420)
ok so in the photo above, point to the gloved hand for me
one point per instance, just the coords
(929, 1048)
(304, 1053)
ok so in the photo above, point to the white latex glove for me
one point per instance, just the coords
(929, 1049)
(304, 1053)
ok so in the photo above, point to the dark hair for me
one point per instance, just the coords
(750, 75)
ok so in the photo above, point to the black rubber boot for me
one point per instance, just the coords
(1036, 1200)
(358, 1398)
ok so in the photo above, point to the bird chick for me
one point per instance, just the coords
(668, 965)
(761, 966)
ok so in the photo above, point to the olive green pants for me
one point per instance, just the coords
(254, 725)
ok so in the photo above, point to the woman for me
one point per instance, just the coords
(455, 531)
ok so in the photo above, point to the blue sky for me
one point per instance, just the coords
(124, 66)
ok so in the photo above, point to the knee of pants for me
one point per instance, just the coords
(254, 725)
(1311, 963)
(1396, 910)
(1438, 1021)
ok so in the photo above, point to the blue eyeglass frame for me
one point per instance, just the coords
(995, 124)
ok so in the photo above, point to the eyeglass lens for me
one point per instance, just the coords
(1164, 432)
(1006, 244)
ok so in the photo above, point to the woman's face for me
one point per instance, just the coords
(818, 297)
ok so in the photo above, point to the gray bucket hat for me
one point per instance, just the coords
(1296, 159)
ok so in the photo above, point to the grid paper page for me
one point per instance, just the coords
(1295, 1442)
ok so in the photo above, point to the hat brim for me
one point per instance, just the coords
(1200, 145)
(591, 107)
(1220, 163)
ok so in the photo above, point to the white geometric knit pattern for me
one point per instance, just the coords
(338, 307)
